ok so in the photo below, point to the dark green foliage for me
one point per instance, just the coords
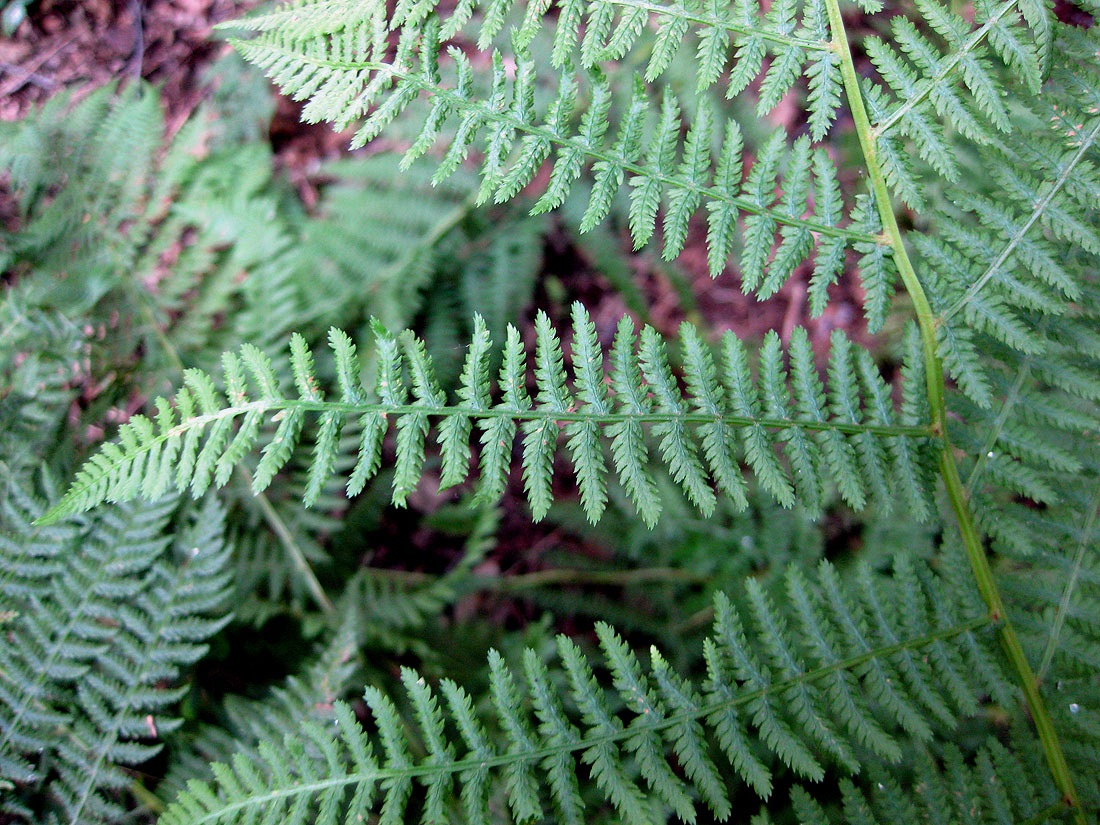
(884, 647)
(102, 617)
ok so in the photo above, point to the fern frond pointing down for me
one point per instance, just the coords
(850, 433)
(850, 670)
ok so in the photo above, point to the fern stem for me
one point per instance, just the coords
(934, 374)
(1046, 814)
(146, 797)
(998, 426)
(286, 539)
(542, 414)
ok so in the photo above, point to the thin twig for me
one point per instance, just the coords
(27, 76)
(14, 85)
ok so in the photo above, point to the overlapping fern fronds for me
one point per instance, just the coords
(341, 58)
(831, 672)
(850, 434)
(856, 672)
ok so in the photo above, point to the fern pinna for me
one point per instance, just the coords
(857, 680)
(851, 663)
(853, 436)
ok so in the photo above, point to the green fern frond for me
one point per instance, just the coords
(591, 33)
(196, 440)
(62, 609)
(40, 351)
(126, 700)
(86, 687)
(992, 786)
(848, 670)
(393, 218)
(923, 80)
(344, 66)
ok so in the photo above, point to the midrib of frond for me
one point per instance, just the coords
(713, 21)
(81, 487)
(945, 71)
(543, 414)
(488, 114)
(536, 755)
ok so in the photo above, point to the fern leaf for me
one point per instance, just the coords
(315, 61)
(84, 676)
(758, 668)
(201, 437)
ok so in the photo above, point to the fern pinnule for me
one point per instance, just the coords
(196, 442)
(851, 656)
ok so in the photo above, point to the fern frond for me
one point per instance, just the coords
(924, 78)
(65, 611)
(992, 786)
(192, 442)
(345, 67)
(326, 678)
(849, 656)
(127, 699)
(395, 219)
(592, 33)
(86, 686)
